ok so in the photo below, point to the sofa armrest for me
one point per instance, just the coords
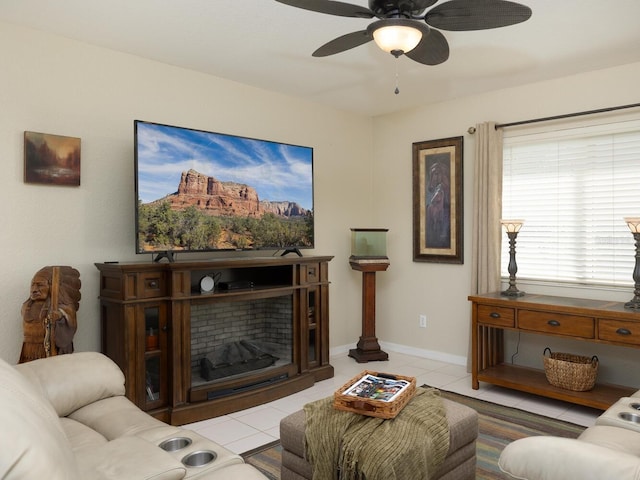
(129, 458)
(74, 380)
(555, 458)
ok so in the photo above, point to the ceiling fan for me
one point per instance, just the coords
(403, 27)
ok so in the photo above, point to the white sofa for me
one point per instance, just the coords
(606, 451)
(66, 418)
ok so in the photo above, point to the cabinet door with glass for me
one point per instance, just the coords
(313, 325)
(153, 366)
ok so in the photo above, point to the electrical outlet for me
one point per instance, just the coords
(422, 321)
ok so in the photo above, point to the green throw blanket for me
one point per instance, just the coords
(348, 446)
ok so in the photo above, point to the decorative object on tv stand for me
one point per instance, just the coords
(208, 282)
(634, 226)
(512, 227)
(368, 255)
(152, 340)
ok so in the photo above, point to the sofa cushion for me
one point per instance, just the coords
(114, 417)
(94, 375)
(80, 436)
(618, 439)
(32, 441)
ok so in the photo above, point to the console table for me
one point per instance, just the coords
(595, 321)
(146, 323)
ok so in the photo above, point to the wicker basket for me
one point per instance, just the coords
(370, 407)
(571, 372)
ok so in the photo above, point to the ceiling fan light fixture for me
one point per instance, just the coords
(398, 35)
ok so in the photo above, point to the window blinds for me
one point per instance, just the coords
(573, 187)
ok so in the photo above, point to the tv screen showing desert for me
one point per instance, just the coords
(199, 191)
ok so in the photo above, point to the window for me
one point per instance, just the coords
(573, 187)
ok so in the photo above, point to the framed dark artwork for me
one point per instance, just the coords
(51, 159)
(437, 201)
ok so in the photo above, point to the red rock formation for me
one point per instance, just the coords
(225, 198)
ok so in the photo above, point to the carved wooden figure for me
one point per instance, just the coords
(49, 314)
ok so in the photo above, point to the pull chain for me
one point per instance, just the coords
(397, 90)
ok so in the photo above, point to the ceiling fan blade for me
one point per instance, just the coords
(381, 8)
(433, 49)
(331, 7)
(419, 4)
(462, 15)
(345, 42)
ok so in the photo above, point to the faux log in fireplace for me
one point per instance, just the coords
(235, 358)
(188, 356)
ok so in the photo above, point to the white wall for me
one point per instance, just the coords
(440, 290)
(54, 85)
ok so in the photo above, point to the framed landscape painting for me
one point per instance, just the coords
(51, 159)
(437, 201)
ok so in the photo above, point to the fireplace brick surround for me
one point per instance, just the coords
(265, 322)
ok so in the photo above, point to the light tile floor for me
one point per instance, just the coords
(248, 429)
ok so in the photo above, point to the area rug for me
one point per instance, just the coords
(266, 458)
(498, 426)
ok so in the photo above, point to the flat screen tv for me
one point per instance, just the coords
(200, 191)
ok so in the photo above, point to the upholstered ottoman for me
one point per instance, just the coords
(459, 464)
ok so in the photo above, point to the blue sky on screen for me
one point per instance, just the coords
(277, 171)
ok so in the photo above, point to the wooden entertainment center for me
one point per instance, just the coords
(146, 317)
(595, 321)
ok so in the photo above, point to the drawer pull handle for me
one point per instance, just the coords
(153, 284)
(553, 323)
(494, 315)
(623, 331)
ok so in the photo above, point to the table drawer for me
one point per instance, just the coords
(498, 316)
(557, 323)
(312, 273)
(619, 331)
(151, 285)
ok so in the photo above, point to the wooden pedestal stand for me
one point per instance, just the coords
(368, 348)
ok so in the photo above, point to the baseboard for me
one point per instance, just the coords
(416, 352)
(339, 351)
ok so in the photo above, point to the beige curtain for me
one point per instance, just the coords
(487, 210)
